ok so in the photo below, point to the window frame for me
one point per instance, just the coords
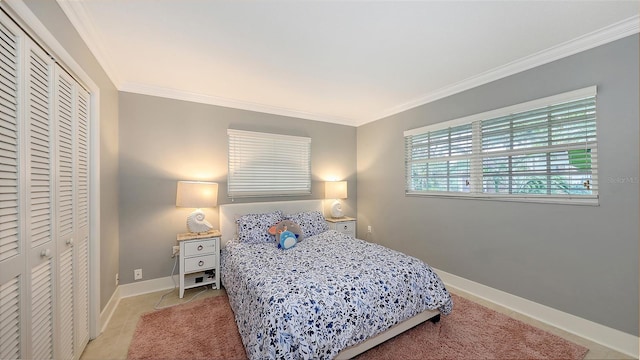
(477, 155)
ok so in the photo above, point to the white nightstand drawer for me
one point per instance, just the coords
(192, 248)
(199, 263)
(346, 227)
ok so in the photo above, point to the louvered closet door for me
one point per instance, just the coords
(39, 217)
(72, 215)
(44, 204)
(64, 128)
(12, 240)
(82, 219)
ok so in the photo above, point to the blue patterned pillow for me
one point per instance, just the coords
(253, 228)
(310, 222)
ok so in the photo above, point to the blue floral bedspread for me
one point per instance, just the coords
(325, 294)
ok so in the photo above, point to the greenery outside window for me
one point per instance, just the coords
(543, 150)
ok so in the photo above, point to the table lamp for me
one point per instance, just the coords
(336, 190)
(197, 194)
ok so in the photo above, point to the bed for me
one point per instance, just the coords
(330, 296)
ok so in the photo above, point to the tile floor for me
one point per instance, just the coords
(114, 342)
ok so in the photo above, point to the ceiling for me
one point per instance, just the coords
(347, 62)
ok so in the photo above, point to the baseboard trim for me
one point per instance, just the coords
(145, 287)
(132, 289)
(603, 335)
(107, 312)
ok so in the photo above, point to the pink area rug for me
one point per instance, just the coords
(472, 332)
(203, 329)
(206, 329)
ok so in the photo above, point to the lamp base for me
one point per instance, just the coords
(197, 224)
(336, 209)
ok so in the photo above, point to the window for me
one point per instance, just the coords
(542, 150)
(262, 164)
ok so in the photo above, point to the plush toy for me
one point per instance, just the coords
(287, 240)
(287, 233)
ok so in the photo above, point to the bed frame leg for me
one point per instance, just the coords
(435, 319)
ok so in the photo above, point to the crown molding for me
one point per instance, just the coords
(80, 19)
(151, 90)
(603, 36)
(588, 41)
(78, 16)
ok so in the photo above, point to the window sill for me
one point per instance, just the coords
(583, 201)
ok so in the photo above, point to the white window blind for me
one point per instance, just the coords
(543, 150)
(263, 164)
(440, 160)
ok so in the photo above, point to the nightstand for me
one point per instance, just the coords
(199, 260)
(345, 225)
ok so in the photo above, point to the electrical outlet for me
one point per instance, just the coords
(176, 251)
(137, 274)
(117, 279)
(369, 229)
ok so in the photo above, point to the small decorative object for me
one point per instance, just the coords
(287, 240)
(335, 190)
(287, 234)
(197, 194)
(286, 225)
(196, 222)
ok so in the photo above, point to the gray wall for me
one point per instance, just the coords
(50, 14)
(163, 141)
(582, 260)
(579, 259)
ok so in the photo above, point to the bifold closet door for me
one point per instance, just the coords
(12, 245)
(27, 264)
(44, 203)
(64, 124)
(81, 230)
(72, 199)
(72, 214)
(38, 215)
(72, 221)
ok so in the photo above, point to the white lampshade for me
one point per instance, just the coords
(197, 194)
(335, 190)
